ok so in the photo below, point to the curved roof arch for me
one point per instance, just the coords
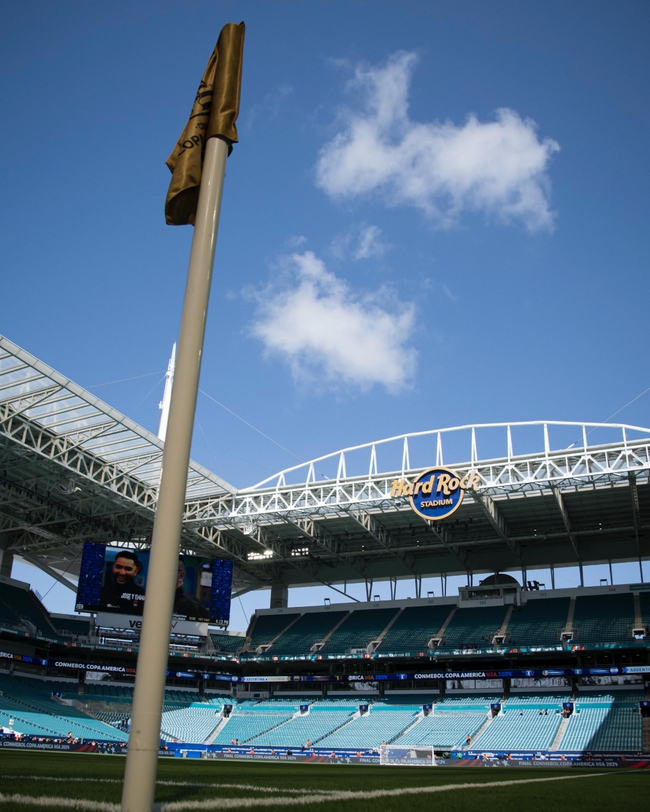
(551, 493)
(455, 445)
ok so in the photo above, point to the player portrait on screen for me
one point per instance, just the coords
(186, 604)
(120, 591)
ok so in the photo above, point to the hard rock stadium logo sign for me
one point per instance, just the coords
(436, 493)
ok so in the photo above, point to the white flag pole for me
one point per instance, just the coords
(144, 736)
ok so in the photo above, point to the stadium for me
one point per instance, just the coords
(430, 263)
(508, 671)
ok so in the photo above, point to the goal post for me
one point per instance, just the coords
(407, 756)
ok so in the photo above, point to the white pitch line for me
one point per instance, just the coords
(286, 800)
(249, 787)
(349, 795)
(65, 803)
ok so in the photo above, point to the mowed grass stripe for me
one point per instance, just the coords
(283, 800)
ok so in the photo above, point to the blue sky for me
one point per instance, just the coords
(436, 214)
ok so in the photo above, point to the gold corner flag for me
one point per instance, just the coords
(214, 113)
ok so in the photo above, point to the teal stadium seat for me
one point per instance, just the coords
(413, 629)
(359, 629)
(522, 729)
(266, 628)
(605, 721)
(538, 622)
(474, 627)
(311, 628)
(28, 702)
(227, 643)
(603, 619)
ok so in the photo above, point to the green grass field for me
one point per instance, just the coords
(93, 782)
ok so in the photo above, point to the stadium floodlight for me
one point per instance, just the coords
(405, 756)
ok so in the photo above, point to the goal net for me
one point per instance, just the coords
(407, 756)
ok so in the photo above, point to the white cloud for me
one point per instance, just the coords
(498, 167)
(329, 334)
(360, 242)
(370, 243)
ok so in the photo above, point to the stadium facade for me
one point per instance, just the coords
(508, 665)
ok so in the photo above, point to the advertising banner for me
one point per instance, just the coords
(133, 622)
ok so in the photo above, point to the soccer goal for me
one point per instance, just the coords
(407, 756)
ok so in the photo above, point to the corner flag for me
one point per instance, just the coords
(198, 167)
(214, 113)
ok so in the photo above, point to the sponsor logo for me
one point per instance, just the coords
(436, 493)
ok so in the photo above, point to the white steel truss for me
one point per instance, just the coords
(307, 490)
(49, 416)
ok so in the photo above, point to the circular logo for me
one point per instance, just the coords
(437, 493)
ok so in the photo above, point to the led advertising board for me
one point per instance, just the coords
(114, 579)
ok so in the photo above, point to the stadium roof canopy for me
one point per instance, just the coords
(551, 494)
(72, 469)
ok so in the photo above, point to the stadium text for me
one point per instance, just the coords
(447, 483)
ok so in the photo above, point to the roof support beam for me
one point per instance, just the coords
(566, 520)
(494, 516)
(312, 531)
(32, 399)
(297, 563)
(444, 536)
(58, 576)
(636, 510)
(381, 535)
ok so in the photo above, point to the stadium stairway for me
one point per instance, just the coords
(325, 639)
(605, 722)
(444, 730)
(296, 731)
(416, 721)
(308, 630)
(323, 642)
(519, 730)
(383, 634)
(448, 620)
(638, 614)
(479, 732)
(266, 628)
(413, 628)
(473, 626)
(503, 630)
(268, 730)
(358, 630)
(272, 642)
(194, 724)
(370, 729)
(569, 620)
(217, 730)
(646, 734)
(244, 726)
(557, 741)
